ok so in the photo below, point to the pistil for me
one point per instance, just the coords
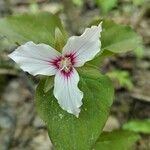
(65, 64)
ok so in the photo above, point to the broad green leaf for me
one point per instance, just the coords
(116, 140)
(118, 38)
(65, 130)
(106, 5)
(115, 38)
(142, 126)
(39, 28)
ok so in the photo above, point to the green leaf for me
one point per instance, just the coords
(65, 130)
(49, 83)
(60, 40)
(142, 126)
(97, 61)
(118, 38)
(39, 28)
(116, 140)
(106, 5)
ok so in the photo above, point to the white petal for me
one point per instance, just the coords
(35, 58)
(67, 92)
(84, 47)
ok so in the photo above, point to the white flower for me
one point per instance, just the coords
(44, 60)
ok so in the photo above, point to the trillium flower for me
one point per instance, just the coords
(42, 59)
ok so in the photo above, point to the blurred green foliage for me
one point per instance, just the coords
(139, 52)
(122, 77)
(78, 2)
(34, 8)
(141, 126)
(138, 2)
(106, 5)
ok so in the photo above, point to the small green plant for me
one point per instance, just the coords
(141, 126)
(138, 2)
(139, 52)
(78, 2)
(106, 5)
(122, 77)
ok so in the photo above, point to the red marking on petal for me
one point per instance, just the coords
(55, 62)
(67, 74)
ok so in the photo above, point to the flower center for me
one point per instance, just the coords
(65, 64)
